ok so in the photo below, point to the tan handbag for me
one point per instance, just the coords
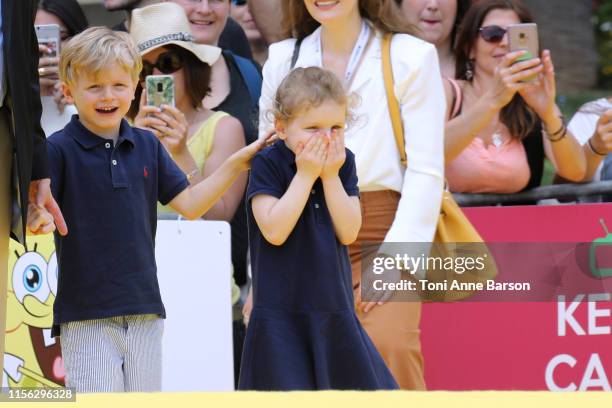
(453, 227)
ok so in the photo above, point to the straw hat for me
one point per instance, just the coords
(166, 23)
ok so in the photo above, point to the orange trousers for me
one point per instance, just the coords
(394, 326)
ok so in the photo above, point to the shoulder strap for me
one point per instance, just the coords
(457, 98)
(250, 74)
(394, 108)
(296, 52)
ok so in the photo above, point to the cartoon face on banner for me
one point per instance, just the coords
(32, 357)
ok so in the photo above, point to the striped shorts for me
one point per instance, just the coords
(116, 354)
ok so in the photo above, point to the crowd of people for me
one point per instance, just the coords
(293, 90)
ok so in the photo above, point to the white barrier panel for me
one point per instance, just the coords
(194, 270)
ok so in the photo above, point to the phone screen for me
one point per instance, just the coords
(524, 37)
(49, 36)
(160, 90)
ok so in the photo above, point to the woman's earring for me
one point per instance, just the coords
(469, 72)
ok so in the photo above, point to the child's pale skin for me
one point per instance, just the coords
(316, 136)
(103, 100)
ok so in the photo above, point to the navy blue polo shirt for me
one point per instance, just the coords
(108, 195)
(311, 270)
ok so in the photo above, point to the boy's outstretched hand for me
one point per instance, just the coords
(242, 158)
(336, 154)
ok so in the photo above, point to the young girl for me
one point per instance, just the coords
(303, 210)
(400, 203)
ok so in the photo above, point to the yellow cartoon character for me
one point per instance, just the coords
(32, 357)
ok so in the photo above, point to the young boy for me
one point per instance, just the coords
(107, 178)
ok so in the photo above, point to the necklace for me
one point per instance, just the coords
(497, 139)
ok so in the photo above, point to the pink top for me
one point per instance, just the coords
(489, 169)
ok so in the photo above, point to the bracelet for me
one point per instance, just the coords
(558, 131)
(560, 137)
(553, 140)
(192, 174)
(595, 151)
(561, 129)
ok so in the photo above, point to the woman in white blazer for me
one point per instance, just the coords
(398, 204)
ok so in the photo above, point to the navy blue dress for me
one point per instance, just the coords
(303, 332)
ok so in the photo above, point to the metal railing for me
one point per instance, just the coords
(558, 191)
(567, 192)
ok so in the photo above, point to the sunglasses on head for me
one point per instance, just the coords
(492, 34)
(167, 63)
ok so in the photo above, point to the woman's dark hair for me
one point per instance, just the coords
(384, 14)
(197, 80)
(69, 11)
(462, 8)
(516, 115)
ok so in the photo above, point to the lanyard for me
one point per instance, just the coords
(356, 54)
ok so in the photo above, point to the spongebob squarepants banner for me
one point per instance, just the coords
(32, 357)
(193, 259)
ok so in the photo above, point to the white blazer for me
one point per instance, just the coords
(418, 87)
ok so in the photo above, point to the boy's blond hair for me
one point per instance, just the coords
(96, 48)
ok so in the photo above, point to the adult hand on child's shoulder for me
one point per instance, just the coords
(336, 155)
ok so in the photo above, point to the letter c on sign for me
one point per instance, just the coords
(550, 371)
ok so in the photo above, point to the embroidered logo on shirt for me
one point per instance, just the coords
(146, 172)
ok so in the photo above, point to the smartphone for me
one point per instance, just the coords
(49, 35)
(524, 37)
(160, 90)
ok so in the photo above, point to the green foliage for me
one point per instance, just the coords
(603, 33)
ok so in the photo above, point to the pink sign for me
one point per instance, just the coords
(559, 346)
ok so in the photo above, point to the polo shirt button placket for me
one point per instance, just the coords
(114, 162)
(107, 145)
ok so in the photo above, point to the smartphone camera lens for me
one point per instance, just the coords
(160, 87)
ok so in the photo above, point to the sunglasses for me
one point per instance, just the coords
(167, 63)
(492, 34)
(239, 2)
